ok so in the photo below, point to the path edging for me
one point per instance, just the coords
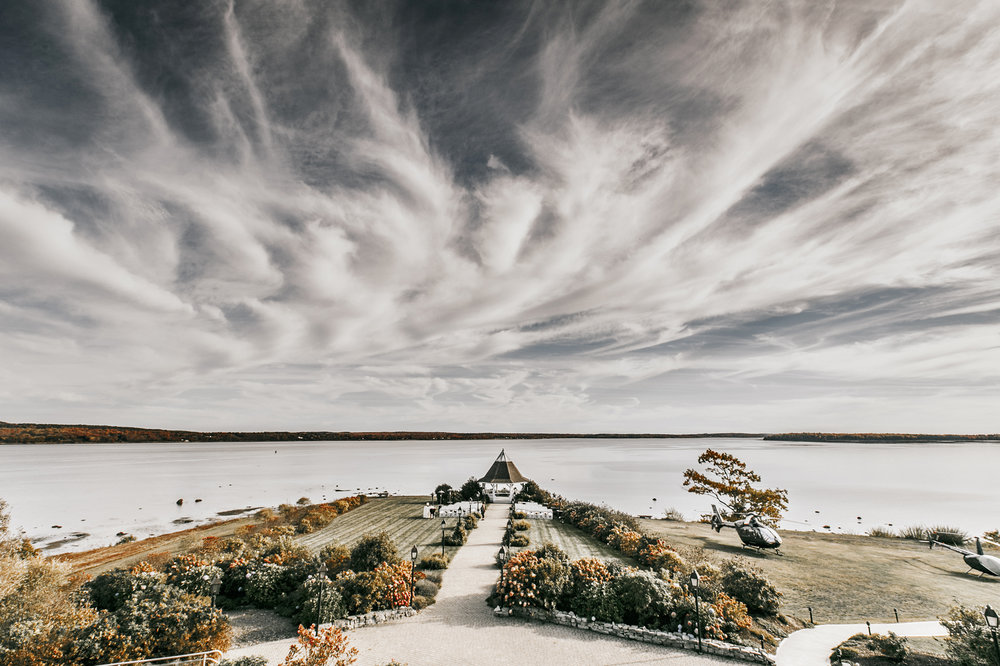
(370, 619)
(630, 632)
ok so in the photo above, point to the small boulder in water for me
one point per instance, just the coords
(198, 500)
(179, 502)
(57, 527)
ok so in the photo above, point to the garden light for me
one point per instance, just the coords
(992, 620)
(321, 575)
(215, 585)
(695, 580)
(413, 566)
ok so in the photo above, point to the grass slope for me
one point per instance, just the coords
(848, 578)
(572, 541)
(99, 560)
(400, 517)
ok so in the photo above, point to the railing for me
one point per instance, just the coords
(210, 658)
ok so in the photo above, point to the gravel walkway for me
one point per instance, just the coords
(812, 647)
(460, 628)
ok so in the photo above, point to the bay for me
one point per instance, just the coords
(98, 490)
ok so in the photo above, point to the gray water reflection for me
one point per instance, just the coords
(101, 489)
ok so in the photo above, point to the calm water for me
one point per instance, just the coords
(101, 489)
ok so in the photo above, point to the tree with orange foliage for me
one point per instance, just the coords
(317, 648)
(728, 480)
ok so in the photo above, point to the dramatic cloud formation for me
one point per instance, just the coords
(690, 216)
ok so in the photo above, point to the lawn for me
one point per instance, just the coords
(400, 517)
(848, 578)
(572, 541)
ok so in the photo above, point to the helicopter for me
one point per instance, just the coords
(752, 532)
(977, 561)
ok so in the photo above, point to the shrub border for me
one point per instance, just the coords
(630, 632)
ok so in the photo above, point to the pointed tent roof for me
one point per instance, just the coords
(503, 471)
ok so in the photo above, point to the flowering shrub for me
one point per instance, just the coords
(157, 619)
(372, 550)
(521, 525)
(745, 582)
(645, 599)
(587, 593)
(315, 517)
(192, 574)
(317, 608)
(458, 536)
(336, 557)
(235, 574)
(683, 614)
(530, 579)
(319, 648)
(657, 555)
(433, 561)
(470, 522)
(388, 586)
(39, 610)
(606, 525)
(268, 584)
(518, 540)
(624, 539)
(396, 580)
(732, 614)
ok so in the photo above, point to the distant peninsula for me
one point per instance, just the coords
(48, 433)
(875, 437)
(44, 433)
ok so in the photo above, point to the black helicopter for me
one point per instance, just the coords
(977, 561)
(752, 532)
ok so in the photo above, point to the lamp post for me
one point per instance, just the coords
(321, 577)
(413, 565)
(695, 580)
(215, 585)
(502, 558)
(993, 620)
(442, 535)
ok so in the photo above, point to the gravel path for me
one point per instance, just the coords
(812, 647)
(460, 628)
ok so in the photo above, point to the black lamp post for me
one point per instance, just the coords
(695, 580)
(442, 535)
(215, 585)
(413, 566)
(993, 620)
(321, 577)
(502, 558)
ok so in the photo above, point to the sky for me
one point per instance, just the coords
(670, 216)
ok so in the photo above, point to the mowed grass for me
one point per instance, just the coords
(848, 578)
(571, 540)
(400, 517)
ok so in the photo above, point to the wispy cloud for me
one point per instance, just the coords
(632, 216)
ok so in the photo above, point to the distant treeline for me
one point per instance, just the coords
(41, 433)
(875, 437)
